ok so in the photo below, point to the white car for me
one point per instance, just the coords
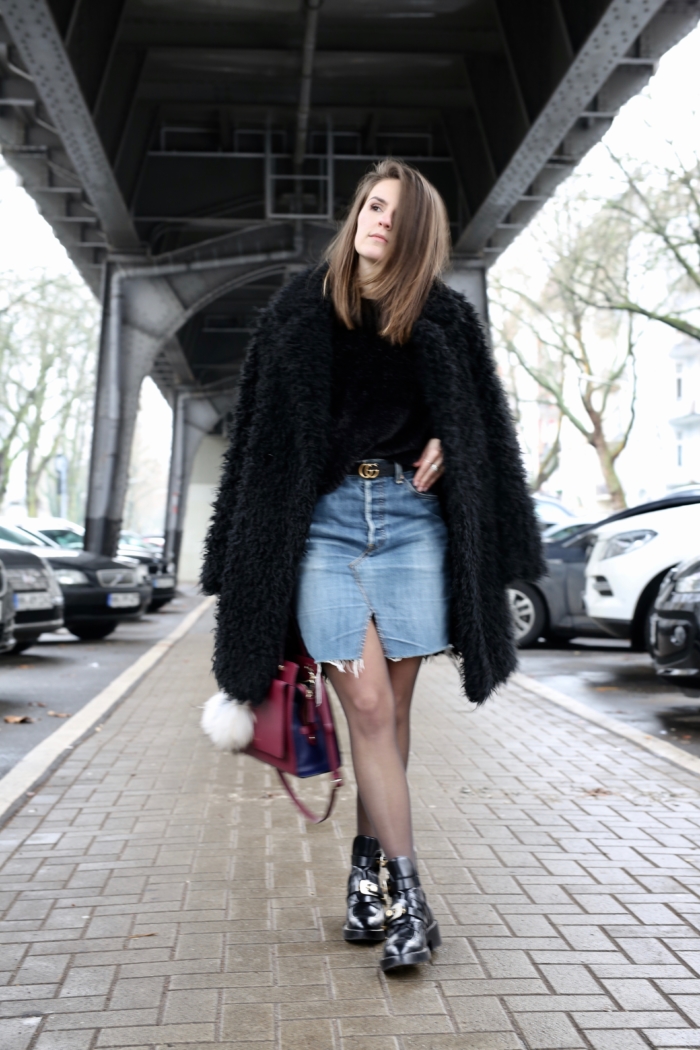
(630, 556)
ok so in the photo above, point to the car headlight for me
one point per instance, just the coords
(626, 542)
(688, 584)
(70, 577)
(27, 579)
(53, 588)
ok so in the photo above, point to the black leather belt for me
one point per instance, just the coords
(376, 468)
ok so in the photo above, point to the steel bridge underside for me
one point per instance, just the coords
(191, 155)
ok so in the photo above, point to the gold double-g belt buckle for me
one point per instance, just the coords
(368, 470)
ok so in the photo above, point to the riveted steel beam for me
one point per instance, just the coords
(39, 42)
(601, 53)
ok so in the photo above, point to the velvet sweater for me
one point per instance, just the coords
(378, 409)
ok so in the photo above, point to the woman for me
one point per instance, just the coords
(373, 487)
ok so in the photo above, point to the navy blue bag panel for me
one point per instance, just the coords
(312, 759)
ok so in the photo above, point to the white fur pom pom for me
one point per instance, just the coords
(228, 724)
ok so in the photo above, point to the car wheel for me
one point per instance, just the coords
(528, 612)
(91, 632)
(21, 647)
(640, 635)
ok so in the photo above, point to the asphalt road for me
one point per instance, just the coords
(61, 674)
(610, 678)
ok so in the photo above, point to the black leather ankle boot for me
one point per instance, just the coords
(365, 921)
(412, 932)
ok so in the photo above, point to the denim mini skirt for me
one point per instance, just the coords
(377, 549)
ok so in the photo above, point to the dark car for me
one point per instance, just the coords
(551, 512)
(7, 613)
(69, 535)
(675, 622)
(36, 595)
(554, 605)
(99, 592)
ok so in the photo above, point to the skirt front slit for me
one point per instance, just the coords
(377, 549)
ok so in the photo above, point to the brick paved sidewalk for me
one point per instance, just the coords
(156, 894)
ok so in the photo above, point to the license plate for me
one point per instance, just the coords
(164, 581)
(32, 600)
(123, 601)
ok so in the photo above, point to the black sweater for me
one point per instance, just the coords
(378, 409)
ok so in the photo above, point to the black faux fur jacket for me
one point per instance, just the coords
(274, 462)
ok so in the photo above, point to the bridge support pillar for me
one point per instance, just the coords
(193, 417)
(143, 307)
(468, 276)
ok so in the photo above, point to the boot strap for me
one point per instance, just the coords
(401, 908)
(366, 893)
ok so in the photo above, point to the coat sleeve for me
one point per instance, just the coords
(519, 535)
(217, 534)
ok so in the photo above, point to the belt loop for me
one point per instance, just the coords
(398, 473)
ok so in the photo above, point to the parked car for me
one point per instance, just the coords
(551, 512)
(7, 613)
(134, 539)
(632, 552)
(69, 535)
(99, 592)
(554, 605)
(675, 622)
(36, 595)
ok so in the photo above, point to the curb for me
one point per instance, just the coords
(41, 759)
(657, 747)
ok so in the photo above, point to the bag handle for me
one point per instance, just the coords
(303, 809)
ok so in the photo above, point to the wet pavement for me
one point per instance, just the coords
(612, 679)
(61, 674)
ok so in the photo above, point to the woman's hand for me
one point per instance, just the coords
(430, 466)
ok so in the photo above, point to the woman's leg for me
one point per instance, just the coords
(371, 710)
(402, 675)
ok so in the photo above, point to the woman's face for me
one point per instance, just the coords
(375, 223)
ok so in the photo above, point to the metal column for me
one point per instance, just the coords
(468, 276)
(194, 416)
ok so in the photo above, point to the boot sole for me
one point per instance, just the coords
(369, 936)
(415, 958)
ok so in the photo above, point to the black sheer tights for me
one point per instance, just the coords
(377, 706)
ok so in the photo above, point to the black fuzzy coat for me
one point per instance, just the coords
(276, 456)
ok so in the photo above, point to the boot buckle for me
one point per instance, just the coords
(369, 889)
(396, 912)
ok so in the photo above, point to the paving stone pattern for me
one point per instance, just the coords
(157, 894)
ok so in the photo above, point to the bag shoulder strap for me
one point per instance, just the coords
(304, 809)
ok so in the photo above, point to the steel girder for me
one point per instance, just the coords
(613, 36)
(36, 37)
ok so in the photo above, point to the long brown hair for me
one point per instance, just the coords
(418, 253)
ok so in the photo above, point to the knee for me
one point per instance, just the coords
(372, 709)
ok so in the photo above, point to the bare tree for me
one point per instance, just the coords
(545, 454)
(582, 359)
(48, 338)
(659, 207)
